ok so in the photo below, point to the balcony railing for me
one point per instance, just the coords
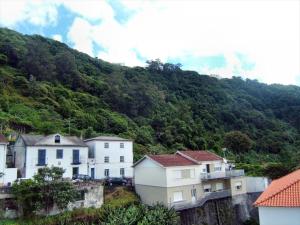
(201, 201)
(78, 161)
(222, 174)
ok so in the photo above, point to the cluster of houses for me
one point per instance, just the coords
(182, 180)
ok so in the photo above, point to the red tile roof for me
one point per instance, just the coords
(3, 139)
(201, 155)
(172, 160)
(283, 192)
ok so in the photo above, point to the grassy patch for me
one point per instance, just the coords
(119, 196)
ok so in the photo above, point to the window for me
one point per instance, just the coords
(194, 192)
(41, 157)
(106, 172)
(91, 153)
(177, 196)
(184, 174)
(59, 153)
(238, 185)
(57, 139)
(219, 186)
(106, 159)
(218, 168)
(106, 145)
(121, 158)
(76, 156)
(122, 171)
(121, 145)
(207, 188)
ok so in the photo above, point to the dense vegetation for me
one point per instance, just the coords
(47, 87)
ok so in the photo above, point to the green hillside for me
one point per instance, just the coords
(47, 87)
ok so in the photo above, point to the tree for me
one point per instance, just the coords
(43, 191)
(237, 141)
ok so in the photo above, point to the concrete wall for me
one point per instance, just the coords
(113, 152)
(256, 184)
(149, 173)
(279, 216)
(151, 195)
(225, 211)
(234, 181)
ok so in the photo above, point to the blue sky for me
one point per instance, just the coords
(225, 38)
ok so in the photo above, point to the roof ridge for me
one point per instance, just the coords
(280, 189)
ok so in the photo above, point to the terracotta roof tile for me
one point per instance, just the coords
(283, 192)
(3, 139)
(199, 155)
(172, 160)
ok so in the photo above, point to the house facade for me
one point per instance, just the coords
(279, 204)
(32, 152)
(110, 156)
(186, 179)
(7, 175)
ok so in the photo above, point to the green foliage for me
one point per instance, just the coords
(46, 87)
(237, 142)
(43, 191)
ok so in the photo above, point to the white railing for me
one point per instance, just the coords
(222, 174)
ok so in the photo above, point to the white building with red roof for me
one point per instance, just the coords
(279, 204)
(187, 179)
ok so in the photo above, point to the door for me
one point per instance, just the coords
(207, 168)
(76, 156)
(75, 171)
(194, 195)
(93, 173)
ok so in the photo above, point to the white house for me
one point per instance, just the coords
(32, 152)
(188, 178)
(7, 175)
(279, 204)
(110, 156)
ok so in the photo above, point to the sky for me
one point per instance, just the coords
(255, 39)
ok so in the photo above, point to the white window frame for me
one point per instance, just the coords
(178, 196)
(122, 159)
(122, 145)
(106, 159)
(122, 171)
(106, 172)
(106, 145)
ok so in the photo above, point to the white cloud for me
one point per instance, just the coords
(36, 12)
(57, 37)
(80, 34)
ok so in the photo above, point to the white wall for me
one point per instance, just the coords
(2, 161)
(65, 162)
(172, 181)
(113, 152)
(10, 174)
(279, 216)
(149, 173)
(19, 154)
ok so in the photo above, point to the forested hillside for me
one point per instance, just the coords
(47, 87)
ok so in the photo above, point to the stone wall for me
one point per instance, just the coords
(226, 211)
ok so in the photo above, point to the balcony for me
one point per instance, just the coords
(77, 161)
(201, 201)
(223, 174)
